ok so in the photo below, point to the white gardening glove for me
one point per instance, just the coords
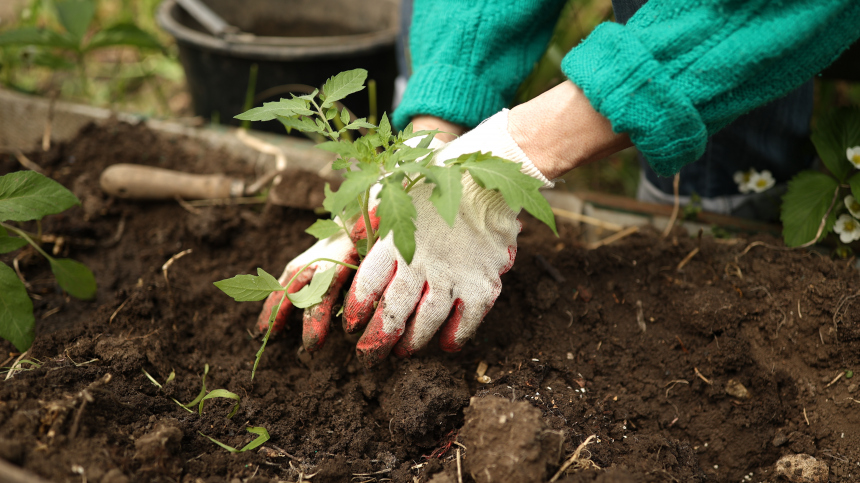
(317, 319)
(455, 268)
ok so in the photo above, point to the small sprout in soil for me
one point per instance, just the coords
(222, 393)
(262, 437)
(849, 374)
(200, 396)
(381, 158)
(28, 196)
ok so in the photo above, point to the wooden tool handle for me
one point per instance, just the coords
(148, 183)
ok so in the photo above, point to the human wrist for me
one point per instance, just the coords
(560, 130)
(449, 130)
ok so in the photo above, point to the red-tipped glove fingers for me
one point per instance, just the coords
(453, 279)
(317, 319)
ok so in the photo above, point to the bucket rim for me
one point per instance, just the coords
(275, 48)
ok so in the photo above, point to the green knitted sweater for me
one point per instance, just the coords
(676, 73)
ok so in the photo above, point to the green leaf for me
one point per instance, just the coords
(10, 243)
(36, 36)
(425, 143)
(854, 183)
(518, 189)
(342, 85)
(331, 113)
(263, 436)
(312, 293)
(447, 192)
(202, 392)
(321, 229)
(16, 310)
(355, 183)
(344, 116)
(271, 110)
(803, 207)
(123, 34)
(340, 163)
(833, 135)
(75, 16)
(222, 393)
(358, 124)
(345, 149)
(303, 124)
(396, 213)
(307, 97)
(361, 247)
(407, 153)
(27, 195)
(250, 288)
(74, 277)
(384, 130)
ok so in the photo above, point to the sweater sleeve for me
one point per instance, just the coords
(469, 56)
(681, 70)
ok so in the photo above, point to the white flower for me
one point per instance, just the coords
(854, 156)
(742, 178)
(853, 206)
(761, 181)
(848, 228)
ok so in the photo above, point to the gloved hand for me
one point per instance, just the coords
(317, 319)
(455, 268)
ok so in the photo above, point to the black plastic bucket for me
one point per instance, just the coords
(293, 42)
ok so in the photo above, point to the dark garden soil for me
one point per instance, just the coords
(710, 373)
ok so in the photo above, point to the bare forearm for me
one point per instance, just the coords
(559, 131)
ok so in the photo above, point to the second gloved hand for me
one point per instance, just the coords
(454, 277)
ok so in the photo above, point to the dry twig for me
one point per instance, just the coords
(613, 238)
(576, 460)
(707, 381)
(687, 259)
(590, 220)
(169, 262)
(675, 209)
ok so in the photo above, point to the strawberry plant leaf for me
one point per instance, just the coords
(10, 243)
(123, 34)
(854, 183)
(27, 195)
(832, 136)
(16, 310)
(355, 183)
(447, 192)
(271, 110)
(396, 213)
(805, 202)
(519, 190)
(74, 277)
(36, 36)
(250, 288)
(321, 229)
(342, 85)
(75, 16)
(312, 293)
(221, 393)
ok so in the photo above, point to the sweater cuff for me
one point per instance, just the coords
(448, 92)
(627, 85)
